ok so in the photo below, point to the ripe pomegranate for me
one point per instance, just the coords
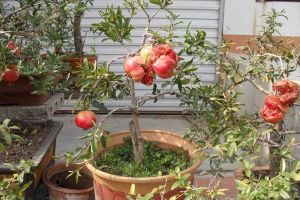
(85, 119)
(164, 67)
(163, 50)
(271, 116)
(134, 68)
(287, 91)
(11, 74)
(11, 45)
(145, 53)
(149, 76)
(274, 103)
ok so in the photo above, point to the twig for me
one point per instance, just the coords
(258, 87)
(272, 143)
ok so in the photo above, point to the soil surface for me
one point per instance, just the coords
(32, 137)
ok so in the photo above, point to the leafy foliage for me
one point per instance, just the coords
(12, 187)
(6, 134)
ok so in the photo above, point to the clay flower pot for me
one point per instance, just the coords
(19, 93)
(112, 187)
(76, 62)
(62, 187)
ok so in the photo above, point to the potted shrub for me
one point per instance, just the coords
(219, 122)
(28, 79)
(27, 76)
(148, 152)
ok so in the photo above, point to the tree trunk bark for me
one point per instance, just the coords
(136, 134)
(275, 159)
(78, 43)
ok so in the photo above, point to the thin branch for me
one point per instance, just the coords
(270, 142)
(258, 87)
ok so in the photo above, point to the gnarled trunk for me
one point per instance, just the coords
(134, 125)
(78, 42)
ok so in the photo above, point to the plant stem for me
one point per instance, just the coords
(134, 125)
(78, 43)
(274, 157)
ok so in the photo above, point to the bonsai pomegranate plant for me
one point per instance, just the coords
(220, 124)
(145, 153)
(25, 68)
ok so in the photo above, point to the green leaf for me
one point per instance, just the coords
(100, 106)
(154, 89)
(156, 2)
(284, 195)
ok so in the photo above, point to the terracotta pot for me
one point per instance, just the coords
(62, 187)
(19, 93)
(113, 187)
(41, 160)
(77, 62)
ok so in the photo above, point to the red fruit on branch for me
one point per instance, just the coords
(85, 119)
(163, 50)
(164, 67)
(287, 91)
(11, 45)
(274, 103)
(134, 68)
(149, 76)
(271, 115)
(11, 74)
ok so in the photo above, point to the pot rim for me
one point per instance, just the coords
(49, 184)
(152, 179)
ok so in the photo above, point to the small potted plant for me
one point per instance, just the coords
(27, 76)
(147, 156)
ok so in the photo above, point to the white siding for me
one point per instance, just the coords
(204, 14)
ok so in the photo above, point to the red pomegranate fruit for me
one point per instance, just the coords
(134, 68)
(274, 103)
(163, 50)
(85, 119)
(287, 91)
(11, 74)
(164, 67)
(271, 116)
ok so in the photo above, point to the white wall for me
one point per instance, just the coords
(244, 17)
